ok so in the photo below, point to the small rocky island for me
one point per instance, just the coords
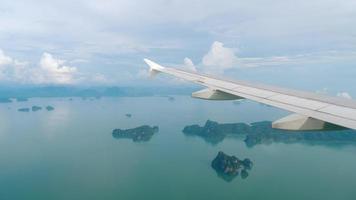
(128, 115)
(36, 108)
(229, 167)
(23, 110)
(21, 99)
(138, 134)
(49, 108)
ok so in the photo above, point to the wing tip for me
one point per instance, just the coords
(153, 65)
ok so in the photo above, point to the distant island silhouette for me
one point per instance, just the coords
(35, 109)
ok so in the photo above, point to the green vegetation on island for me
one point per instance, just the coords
(49, 108)
(36, 108)
(138, 134)
(263, 133)
(23, 110)
(229, 167)
(213, 132)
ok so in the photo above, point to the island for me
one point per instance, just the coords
(21, 99)
(229, 167)
(36, 108)
(138, 134)
(213, 132)
(49, 108)
(263, 133)
(23, 110)
(128, 115)
(171, 99)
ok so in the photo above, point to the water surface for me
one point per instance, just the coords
(69, 153)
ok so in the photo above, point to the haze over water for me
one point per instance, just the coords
(69, 153)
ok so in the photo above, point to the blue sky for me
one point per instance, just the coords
(307, 44)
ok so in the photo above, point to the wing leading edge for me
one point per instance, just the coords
(312, 108)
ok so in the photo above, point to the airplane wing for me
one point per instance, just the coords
(313, 111)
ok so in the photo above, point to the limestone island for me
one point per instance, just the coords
(263, 133)
(171, 99)
(23, 110)
(128, 115)
(21, 99)
(229, 167)
(36, 108)
(213, 132)
(138, 134)
(49, 108)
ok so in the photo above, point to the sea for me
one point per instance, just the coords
(70, 153)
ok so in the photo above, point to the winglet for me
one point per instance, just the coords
(154, 67)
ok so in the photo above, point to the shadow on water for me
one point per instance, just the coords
(263, 133)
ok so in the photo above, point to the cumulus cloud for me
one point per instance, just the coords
(219, 57)
(12, 69)
(4, 59)
(49, 70)
(188, 64)
(273, 34)
(54, 70)
(344, 95)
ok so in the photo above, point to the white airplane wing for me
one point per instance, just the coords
(313, 111)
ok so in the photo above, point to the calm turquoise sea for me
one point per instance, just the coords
(69, 153)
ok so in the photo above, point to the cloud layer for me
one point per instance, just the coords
(106, 40)
(49, 70)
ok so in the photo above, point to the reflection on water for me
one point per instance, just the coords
(263, 133)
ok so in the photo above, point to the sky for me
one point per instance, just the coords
(305, 44)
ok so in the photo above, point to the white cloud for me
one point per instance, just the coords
(219, 57)
(270, 34)
(54, 70)
(12, 69)
(188, 64)
(4, 59)
(49, 70)
(344, 95)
